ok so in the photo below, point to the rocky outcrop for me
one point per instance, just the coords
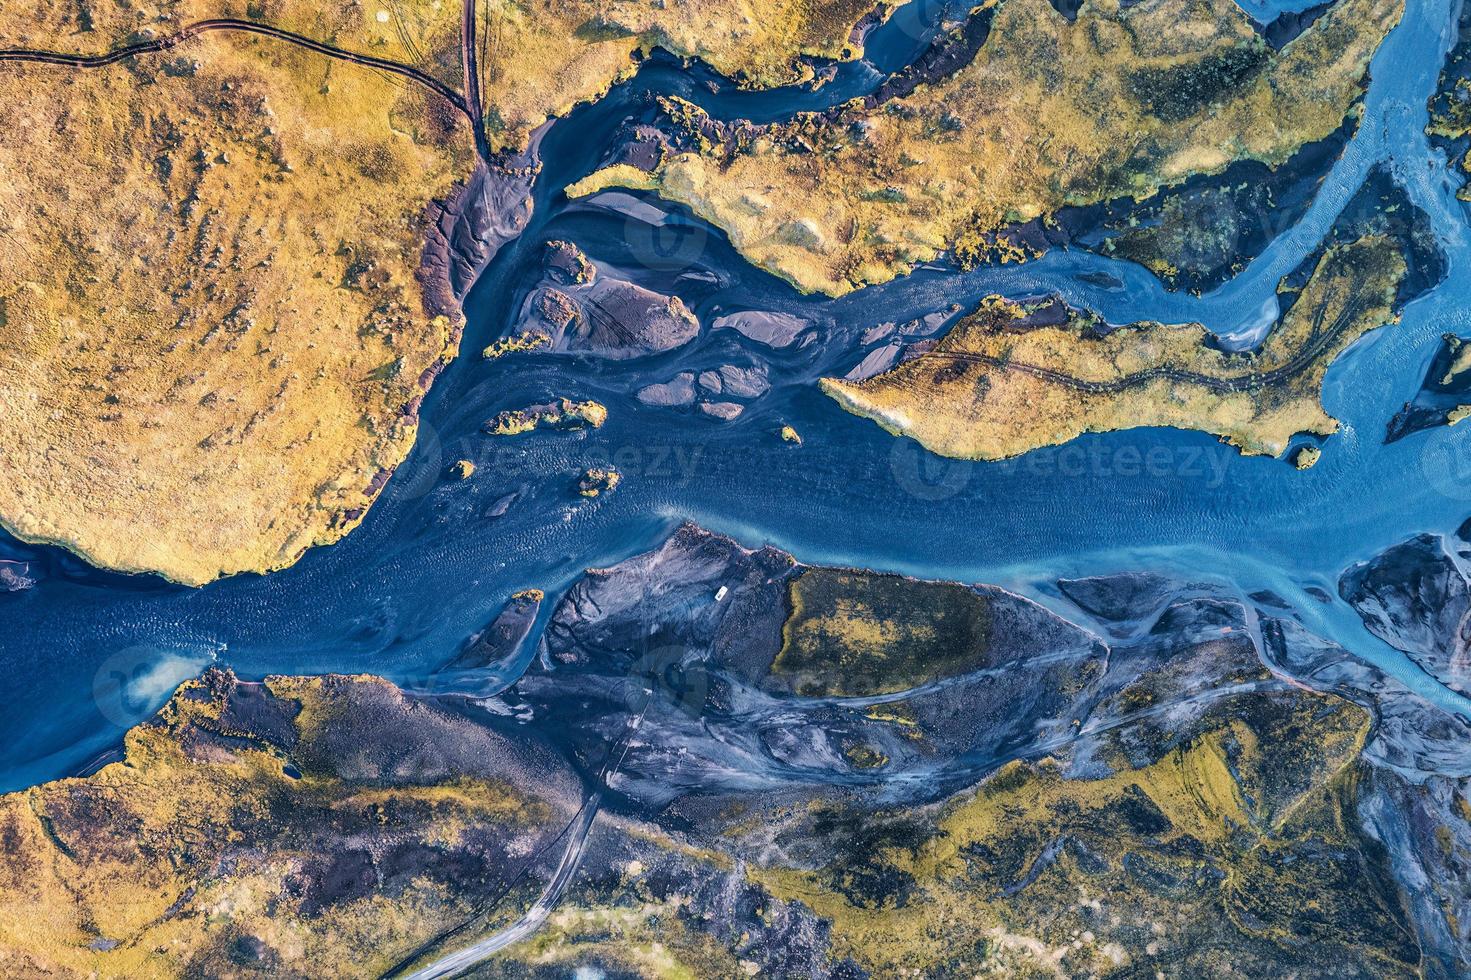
(470, 229)
(581, 309)
(1416, 598)
(299, 827)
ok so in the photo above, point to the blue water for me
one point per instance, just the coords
(86, 654)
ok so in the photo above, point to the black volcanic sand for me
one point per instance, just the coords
(584, 310)
(1441, 393)
(784, 776)
(675, 659)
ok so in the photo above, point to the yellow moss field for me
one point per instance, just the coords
(992, 389)
(213, 337)
(163, 864)
(423, 33)
(1214, 798)
(1049, 113)
(857, 634)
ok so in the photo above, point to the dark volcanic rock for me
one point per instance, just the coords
(1423, 827)
(1444, 390)
(741, 382)
(492, 209)
(777, 330)
(1201, 233)
(698, 592)
(1411, 735)
(1118, 598)
(501, 641)
(686, 638)
(566, 264)
(947, 54)
(1382, 207)
(674, 393)
(1415, 597)
(585, 311)
(815, 772)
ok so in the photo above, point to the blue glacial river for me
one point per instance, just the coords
(86, 654)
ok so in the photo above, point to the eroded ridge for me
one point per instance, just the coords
(1120, 102)
(410, 36)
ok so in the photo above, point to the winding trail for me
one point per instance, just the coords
(470, 59)
(463, 959)
(580, 828)
(233, 25)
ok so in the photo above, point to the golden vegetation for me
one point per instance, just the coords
(997, 386)
(1049, 113)
(561, 414)
(855, 634)
(598, 480)
(520, 343)
(215, 338)
(259, 831)
(1200, 860)
(213, 335)
(425, 33)
(542, 57)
